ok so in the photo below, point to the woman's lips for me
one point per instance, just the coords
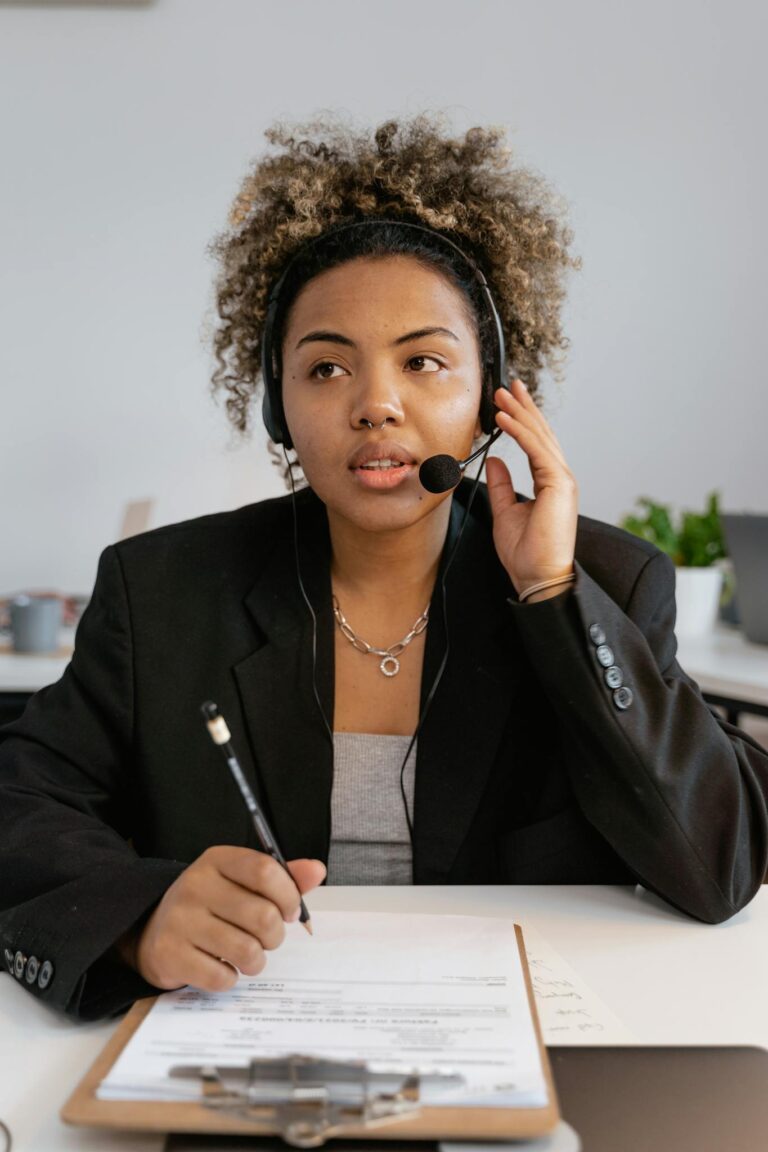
(383, 478)
(382, 465)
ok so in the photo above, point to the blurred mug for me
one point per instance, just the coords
(34, 623)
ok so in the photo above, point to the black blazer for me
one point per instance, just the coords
(528, 770)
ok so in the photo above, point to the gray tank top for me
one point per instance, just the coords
(369, 834)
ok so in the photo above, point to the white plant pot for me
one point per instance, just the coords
(697, 592)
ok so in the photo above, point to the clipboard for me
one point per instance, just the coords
(307, 1111)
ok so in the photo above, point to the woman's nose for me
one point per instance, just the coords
(376, 404)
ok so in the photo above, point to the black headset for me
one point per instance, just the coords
(272, 403)
(274, 420)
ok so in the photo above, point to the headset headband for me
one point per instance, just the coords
(272, 403)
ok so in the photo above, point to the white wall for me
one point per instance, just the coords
(126, 129)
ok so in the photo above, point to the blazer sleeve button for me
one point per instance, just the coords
(623, 698)
(33, 966)
(9, 960)
(19, 962)
(604, 655)
(613, 676)
(45, 974)
(596, 634)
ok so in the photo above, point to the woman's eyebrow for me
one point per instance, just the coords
(337, 338)
(420, 333)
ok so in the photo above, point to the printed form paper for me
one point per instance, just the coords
(403, 992)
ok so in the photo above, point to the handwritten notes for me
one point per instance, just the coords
(569, 1011)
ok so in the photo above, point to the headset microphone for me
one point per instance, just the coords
(440, 473)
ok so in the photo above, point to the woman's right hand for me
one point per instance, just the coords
(221, 914)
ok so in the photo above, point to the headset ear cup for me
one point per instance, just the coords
(272, 402)
(272, 412)
(487, 407)
(273, 427)
(285, 436)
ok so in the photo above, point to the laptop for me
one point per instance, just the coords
(746, 537)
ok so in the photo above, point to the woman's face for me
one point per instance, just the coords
(387, 342)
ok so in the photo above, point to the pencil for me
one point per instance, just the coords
(220, 735)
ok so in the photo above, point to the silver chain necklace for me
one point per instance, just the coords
(390, 665)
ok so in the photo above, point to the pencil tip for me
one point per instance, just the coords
(308, 927)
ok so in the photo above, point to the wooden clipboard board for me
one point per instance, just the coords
(432, 1123)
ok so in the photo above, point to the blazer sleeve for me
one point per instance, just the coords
(680, 794)
(70, 882)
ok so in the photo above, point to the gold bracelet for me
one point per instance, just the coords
(546, 584)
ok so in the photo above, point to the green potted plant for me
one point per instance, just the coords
(696, 545)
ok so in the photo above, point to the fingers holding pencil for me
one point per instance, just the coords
(219, 918)
(228, 907)
(219, 733)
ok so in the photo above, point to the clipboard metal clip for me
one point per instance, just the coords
(310, 1099)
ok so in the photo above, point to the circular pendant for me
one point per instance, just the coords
(390, 665)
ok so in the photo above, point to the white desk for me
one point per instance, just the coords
(30, 671)
(725, 664)
(671, 980)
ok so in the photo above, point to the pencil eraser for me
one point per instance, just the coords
(218, 730)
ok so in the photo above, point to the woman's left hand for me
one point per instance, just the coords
(535, 540)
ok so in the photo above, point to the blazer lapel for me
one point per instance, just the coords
(484, 667)
(292, 749)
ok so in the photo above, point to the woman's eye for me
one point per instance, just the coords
(417, 362)
(319, 371)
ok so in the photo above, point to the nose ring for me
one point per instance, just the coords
(370, 424)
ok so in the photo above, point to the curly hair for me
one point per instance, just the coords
(326, 173)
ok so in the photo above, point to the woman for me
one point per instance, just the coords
(461, 686)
